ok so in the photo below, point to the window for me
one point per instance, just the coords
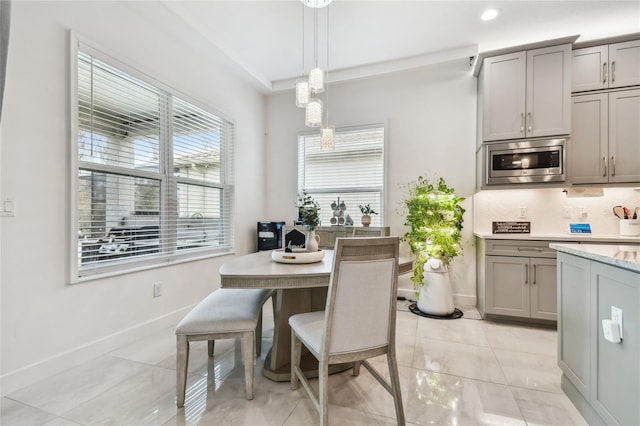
(153, 171)
(353, 172)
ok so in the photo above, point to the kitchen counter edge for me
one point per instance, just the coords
(623, 256)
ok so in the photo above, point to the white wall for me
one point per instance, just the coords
(48, 325)
(430, 114)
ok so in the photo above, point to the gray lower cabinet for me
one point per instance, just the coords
(603, 377)
(518, 279)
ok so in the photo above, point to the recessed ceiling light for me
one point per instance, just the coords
(489, 14)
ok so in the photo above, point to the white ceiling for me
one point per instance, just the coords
(371, 37)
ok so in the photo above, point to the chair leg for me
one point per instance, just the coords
(395, 387)
(323, 392)
(296, 352)
(247, 354)
(210, 347)
(259, 335)
(182, 363)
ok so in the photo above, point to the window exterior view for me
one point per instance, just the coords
(153, 171)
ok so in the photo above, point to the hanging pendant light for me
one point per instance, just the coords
(302, 84)
(313, 113)
(302, 92)
(327, 133)
(327, 138)
(316, 4)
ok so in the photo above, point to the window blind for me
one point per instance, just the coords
(353, 171)
(154, 172)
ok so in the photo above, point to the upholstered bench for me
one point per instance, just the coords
(224, 314)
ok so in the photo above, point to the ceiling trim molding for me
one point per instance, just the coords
(386, 67)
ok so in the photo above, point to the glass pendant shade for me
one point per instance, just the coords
(313, 113)
(316, 4)
(302, 93)
(326, 140)
(316, 80)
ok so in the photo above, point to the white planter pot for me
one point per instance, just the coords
(435, 296)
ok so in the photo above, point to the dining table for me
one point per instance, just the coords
(300, 287)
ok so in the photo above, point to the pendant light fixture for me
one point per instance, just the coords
(307, 89)
(327, 133)
(302, 84)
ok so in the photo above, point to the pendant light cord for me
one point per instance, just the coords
(326, 108)
(302, 39)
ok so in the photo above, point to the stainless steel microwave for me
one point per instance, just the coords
(532, 161)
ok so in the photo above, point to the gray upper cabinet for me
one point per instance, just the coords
(606, 67)
(527, 94)
(604, 146)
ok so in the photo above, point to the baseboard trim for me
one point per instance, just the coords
(48, 367)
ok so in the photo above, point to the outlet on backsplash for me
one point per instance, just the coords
(523, 213)
(566, 212)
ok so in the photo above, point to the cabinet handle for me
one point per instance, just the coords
(530, 121)
(526, 274)
(538, 249)
(534, 275)
(604, 73)
(522, 122)
(604, 163)
(613, 71)
(613, 166)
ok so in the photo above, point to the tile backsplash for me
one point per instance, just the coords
(550, 210)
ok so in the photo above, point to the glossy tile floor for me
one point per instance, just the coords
(452, 372)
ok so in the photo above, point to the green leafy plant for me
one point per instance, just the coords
(434, 216)
(366, 210)
(308, 210)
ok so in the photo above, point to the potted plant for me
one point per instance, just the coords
(309, 217)
(434, 217)
(366, 211)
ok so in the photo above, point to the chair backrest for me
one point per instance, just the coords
(361, 303)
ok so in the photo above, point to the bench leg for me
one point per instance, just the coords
(182, 362)
(210, 347)
(247, 354)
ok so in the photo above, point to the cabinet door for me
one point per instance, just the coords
(588, 146)
(507, 288)
(574, 323)
(615, 372)
(548, 106)
(624, 136)
(589, 68)
(625, 64)
(504, 97)
(543, 289)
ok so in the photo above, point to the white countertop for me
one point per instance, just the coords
(623, 256)
(596, 238)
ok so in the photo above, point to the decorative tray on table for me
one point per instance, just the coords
(281, 256)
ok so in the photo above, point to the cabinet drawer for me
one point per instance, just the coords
(520, 248)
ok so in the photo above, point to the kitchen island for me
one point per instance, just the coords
(601, 377)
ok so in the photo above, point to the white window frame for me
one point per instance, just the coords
(168, 182)
(352, 210)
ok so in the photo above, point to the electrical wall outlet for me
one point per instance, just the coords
(523, 212)
(157, 289)
(566, 212)
(616, 316)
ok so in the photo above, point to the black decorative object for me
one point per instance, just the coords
(294, 240)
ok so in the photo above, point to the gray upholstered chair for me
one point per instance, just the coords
(224, 314)
(359, 320)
